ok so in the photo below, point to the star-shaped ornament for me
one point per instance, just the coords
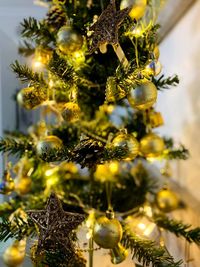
(55, 225)
(106, 27)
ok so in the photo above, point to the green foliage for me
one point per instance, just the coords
(146, 251)
(166, 83)
(17, 147)
(18, 230)
(178, 228)
(175, 153)
(26, 49)
(36, 30)
(62, 70)
(26, 74)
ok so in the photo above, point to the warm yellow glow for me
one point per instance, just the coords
(52, 181)
(78, 57)
(37, 64)
(51, 83)
(142, 226)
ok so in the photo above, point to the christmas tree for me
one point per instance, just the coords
(85, 164)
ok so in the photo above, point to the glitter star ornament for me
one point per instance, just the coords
(105, 30)
(55, 225)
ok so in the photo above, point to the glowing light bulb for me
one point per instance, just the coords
(142, 226)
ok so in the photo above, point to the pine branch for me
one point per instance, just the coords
(146, 251)
(60, 68)
(36, 30)
(175, 153)
(178, 228)
(16, 146)
(166, 83)
(18, 230)
(26, 49)
(25, 74)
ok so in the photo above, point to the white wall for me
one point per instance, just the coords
(180, 54)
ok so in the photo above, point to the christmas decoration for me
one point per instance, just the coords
(118, 254)
(167, 200)
(23, 185)
(114, 91)
(137, 7)
(143, 96)
(107, 232)
(156, 52)
(48, 144)
(127, 142)
(91, 140)
(7, 185)
(55, 225)
(151, 145)
(15, 254)
(71, 112)
(153, 68)
(56, 16)
(42, 55)
(68, 40)
(107, 172)
(106, 27)
(31, 98)
(155, 119)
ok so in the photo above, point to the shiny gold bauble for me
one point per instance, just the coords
(156, 119)
(138, 7)
(107, 233)
(7, 185)
(30, 97)
(129, 143)
(107, 172)
(114, 91)
(118, 254)
(42, 55)
(71, 112)
(68, 40)
(153, 68)
(167, 200)
(152, 145)
(48, 145)
(23, 185)
(143, 96)
(14, 255)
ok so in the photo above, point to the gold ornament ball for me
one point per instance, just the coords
(23, 185)
(68, 40)
(48, 145)
(153, 68)
(129, 143)
(71, 112)
(143, 96)
(138, 7)
(114, 91)
(13, 257)
(107, 172)
(30, 97)
(42, 55)
(167, 200)
(156, 119)
(118, 254)
(7, 185)
(107, 233)
(151, 145)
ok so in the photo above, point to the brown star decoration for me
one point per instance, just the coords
(106, 27)
(55, 225)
